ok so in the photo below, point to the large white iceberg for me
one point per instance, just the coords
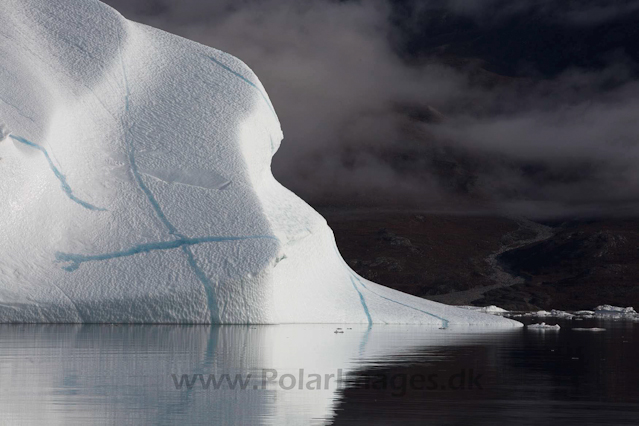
(135, 186)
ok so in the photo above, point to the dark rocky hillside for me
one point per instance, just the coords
(510, 262)
(582, 265)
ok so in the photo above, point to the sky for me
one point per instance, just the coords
(524, 107)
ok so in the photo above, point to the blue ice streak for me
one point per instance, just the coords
(19, 110)
(78, 259)
(63, 180)
(361, 299)
(246, 80)
(199, 273)
(443, 320)
(149, 195)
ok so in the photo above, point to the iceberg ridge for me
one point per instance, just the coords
(136, 187)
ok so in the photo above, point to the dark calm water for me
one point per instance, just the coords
(308, 374)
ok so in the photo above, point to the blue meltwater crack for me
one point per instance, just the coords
(58, 174)
(443, 320)
(364, 305)
(246, 80)
(181, 240)
(77, 259)
(353, 277)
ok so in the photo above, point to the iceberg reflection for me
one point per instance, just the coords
(283, 374)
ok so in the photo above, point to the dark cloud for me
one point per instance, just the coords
(369, 121)
(581, 12)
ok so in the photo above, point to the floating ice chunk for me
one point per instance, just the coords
(539, 314)
(555, 313)
(491, 309)
(614, 309)
(615, 312)
(544, 326)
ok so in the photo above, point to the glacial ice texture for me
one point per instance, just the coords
(135, 187)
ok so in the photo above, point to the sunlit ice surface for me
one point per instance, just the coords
(136, 187)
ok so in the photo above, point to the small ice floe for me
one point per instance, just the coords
(492, 309)
(589, 329)
(615, 312)
(561, 314)
(555, 313)
(539, 314)
(544, 326)
(584, 314)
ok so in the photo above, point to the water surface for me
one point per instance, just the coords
(318, 374)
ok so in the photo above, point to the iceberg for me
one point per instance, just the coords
(491, 309)
(555, 313)
(543, 327)
(135, 187)
(615, 312)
